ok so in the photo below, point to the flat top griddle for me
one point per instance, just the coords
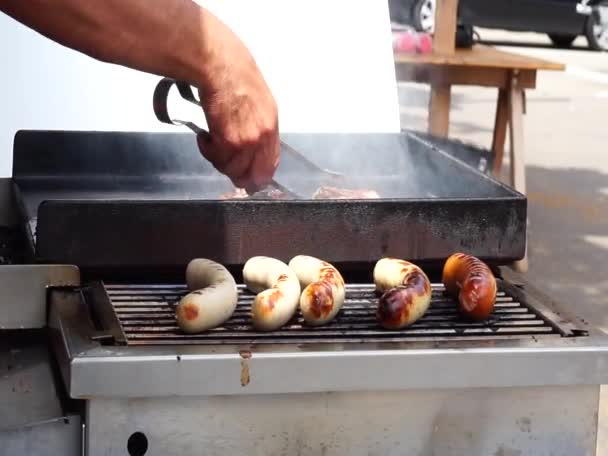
(140, 199)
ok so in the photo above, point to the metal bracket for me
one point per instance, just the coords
(101, 309)
(24, 289)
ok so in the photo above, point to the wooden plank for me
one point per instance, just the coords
(463, 75)
(516, 121)
(480, 56)
(518, 163)
(500, 130)
(439, 111)
(446, 15)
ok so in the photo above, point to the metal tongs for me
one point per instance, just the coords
(161, 95)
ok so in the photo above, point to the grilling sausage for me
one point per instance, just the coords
(406, 292)
(278, 291)
(212, 299)
(472, 282)
(323, 289)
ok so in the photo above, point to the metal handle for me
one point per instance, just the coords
(161, 96)
(159, 101)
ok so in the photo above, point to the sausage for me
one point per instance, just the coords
(212, 298)
(406, 292)
(278, 292)
(472, 282)
(323, 289)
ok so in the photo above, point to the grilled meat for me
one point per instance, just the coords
(326, 192)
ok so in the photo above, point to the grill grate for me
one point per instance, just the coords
(146, 313)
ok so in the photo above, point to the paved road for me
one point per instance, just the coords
(566, 146)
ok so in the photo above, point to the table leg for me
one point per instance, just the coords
(518, 165)
(516, 120)
(439, 111)
(500, 130)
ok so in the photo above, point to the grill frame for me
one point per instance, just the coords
(145, 316)
(93, 366)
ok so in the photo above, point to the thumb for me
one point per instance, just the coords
(208, 149)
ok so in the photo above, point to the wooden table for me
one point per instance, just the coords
(485, 66)
(510, 73)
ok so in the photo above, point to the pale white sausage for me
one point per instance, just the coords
(323, 289)
(212, 299)
(278, 292)
(406, 292)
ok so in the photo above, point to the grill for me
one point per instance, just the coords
(112, 219)
(77, 191)
(146, 314)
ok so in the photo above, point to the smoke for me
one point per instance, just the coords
(375, 161)
(401, 166)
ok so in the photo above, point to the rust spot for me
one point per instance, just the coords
(321, 298)
(394, 307)
(190, 311)
(245, 375)
(282, 278)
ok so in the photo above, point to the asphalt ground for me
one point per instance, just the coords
(566, 154)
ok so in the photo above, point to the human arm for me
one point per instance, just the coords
(181, 40)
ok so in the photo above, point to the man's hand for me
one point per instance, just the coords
(240, 110)
(180, 40)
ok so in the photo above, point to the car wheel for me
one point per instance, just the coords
(399, 11)
(424, 15)
(562, 41)
(596, 31)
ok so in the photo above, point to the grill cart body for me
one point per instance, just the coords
(92, 362)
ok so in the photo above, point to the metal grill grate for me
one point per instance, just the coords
(146, 313)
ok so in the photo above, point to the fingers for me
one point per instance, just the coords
(211, 152)
(249, 166)
(265, 163)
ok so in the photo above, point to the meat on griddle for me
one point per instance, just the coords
(267, 193)
(272, 193)
(323, 192)
(326, 192)
(237, 193)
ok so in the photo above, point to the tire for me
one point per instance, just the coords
(423, 15)
(596, 33)
(562, 41)
(398, 11)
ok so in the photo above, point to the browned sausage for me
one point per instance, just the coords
(406, 292)
(472, 282)
(323, 289)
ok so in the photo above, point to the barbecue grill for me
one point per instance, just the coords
(99, 228)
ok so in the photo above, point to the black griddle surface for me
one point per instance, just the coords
(143, 199)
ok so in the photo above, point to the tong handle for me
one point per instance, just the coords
(161, 96)
(159, 100)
